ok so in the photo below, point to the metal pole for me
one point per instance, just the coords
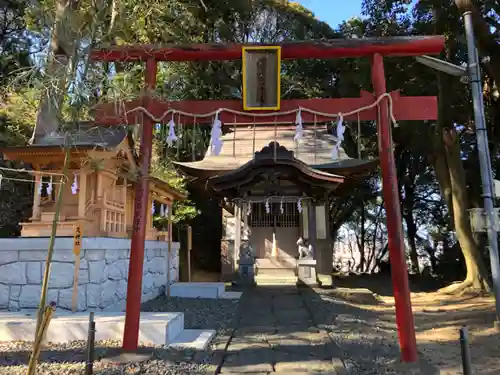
(464, 348)
(89, 366)
(484, 158)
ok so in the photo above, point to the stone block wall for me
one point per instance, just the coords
(102, 277)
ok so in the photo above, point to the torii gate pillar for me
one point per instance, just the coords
(399, 271)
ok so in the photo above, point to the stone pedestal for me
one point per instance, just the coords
(306, 272)
(246, 270)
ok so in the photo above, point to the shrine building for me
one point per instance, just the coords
(278, 190)
(100, 192)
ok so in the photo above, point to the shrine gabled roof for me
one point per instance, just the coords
(274, 163)
(314, 150)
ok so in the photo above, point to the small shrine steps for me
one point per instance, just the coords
(275, 271)
(155, 328)
(208, 290)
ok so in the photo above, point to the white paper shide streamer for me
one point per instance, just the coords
(171, 137)
(162, 210)
(268, 209)
(215, 136)
(49, 187)
(299, 205)
(40, 186)
(153, 208)
(299, 129)
(340, 138)
(74, 185)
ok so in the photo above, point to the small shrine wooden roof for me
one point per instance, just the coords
(85, 134)
(314, 149)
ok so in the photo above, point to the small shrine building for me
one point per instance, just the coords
(100, 193)
(279, 189)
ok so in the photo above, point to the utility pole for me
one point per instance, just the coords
(484, 158)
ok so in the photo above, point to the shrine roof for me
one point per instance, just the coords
(272, 164)
(314, 150)
(86, 134)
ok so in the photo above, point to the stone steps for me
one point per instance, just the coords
(276, 279)
(208, 290)
(155, 328)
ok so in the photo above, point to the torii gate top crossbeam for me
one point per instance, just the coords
(310, 49)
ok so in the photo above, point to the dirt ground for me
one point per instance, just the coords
(438, 318)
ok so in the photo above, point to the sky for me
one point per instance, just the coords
(333, 12)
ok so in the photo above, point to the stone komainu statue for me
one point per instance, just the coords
(305, 252)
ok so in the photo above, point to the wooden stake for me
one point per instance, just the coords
(169, 247)
(189, 248)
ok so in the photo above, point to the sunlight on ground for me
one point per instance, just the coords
(438, 319)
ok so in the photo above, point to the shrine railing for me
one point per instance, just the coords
(114, 199)
(114, 220)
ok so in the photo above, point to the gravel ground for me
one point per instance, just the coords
(69, 359)
(367, 340)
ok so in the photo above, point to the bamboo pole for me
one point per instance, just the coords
(37, 345)
(55, 221)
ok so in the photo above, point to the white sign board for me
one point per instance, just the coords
(230, 228)
(496, 188)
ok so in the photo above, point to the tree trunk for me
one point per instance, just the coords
(410, 223)
(61, 50)
(450, 170)
(476, 270)
(361, 241)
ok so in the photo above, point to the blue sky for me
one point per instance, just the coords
(333, 11)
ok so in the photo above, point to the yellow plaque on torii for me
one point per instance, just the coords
(261, 69)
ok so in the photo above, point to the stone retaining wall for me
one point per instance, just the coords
(103, 272)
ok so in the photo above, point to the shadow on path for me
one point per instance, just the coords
(301, 330)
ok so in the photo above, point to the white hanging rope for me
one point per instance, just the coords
(267, 201)
(5, 178)
(22, 170)
(270, 114)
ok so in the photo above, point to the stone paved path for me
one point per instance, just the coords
(275, 333)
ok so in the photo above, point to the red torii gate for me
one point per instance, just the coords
(404, 108)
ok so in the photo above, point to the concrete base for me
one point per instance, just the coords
(209, 290)
(326, 281)
(306, 271)
(193, 339)
(231, 295)
(155, 329)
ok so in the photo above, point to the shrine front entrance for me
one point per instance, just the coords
(273, 233)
